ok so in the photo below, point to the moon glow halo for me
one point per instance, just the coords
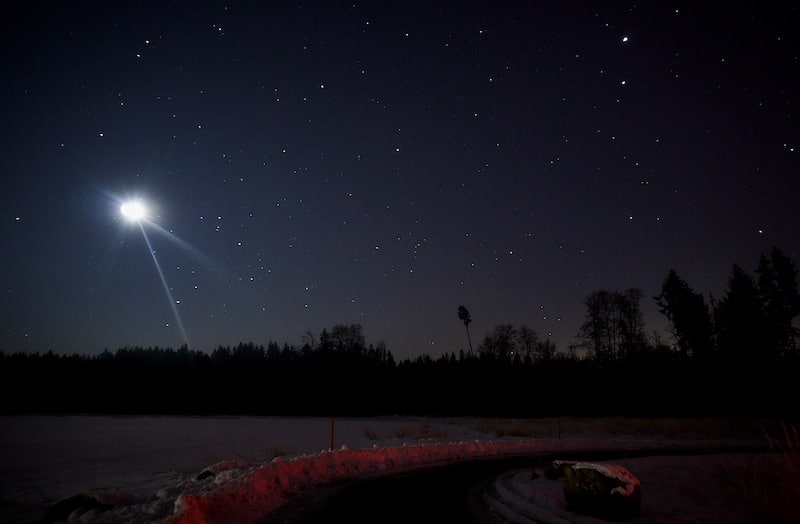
(133, 210)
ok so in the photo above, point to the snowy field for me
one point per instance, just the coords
(150, 467)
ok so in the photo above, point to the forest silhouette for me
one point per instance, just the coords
(736, 355)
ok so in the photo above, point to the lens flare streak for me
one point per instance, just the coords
(166, 286)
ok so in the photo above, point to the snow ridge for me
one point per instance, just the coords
(231, 491)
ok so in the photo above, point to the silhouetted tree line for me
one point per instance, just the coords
(735, 355)
(752, 324)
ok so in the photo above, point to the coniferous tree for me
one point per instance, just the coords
(464, 316)
(777, 284)
(688, 315)
(739, 319)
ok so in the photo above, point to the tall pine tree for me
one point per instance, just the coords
(739, 319)
(777, 285)
(688, 314)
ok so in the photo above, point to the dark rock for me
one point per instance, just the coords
(206, 473)
(555, 470)
(61, 510)
(606, 491)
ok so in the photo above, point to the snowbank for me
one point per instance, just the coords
(243, 493)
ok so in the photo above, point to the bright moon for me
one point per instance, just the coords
(133, 210)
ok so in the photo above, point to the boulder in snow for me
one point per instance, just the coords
(606, 491)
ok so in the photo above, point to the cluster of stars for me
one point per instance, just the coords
(383, 169)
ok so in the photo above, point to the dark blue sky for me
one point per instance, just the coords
(320, 163)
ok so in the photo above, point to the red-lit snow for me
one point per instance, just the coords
(160, 469)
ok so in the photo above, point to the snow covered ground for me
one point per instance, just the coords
(237, 469)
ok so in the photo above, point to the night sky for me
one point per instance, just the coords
(319, 163)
